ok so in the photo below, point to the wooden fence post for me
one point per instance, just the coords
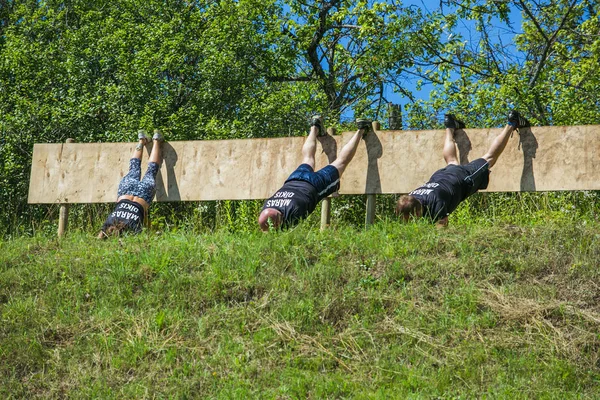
(326, 203)
(63, 213)
(371, 198)
(325, 213)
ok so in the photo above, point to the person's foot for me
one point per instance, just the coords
(363, 123)
(142, 137)
(516, 120)
(317, 121)
(451, 122)
(158, 136)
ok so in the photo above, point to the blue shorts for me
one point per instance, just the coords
(326, 180)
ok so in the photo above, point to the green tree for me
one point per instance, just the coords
(355, 50)
(99, 71)
(549, 69)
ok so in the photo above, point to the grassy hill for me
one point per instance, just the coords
(392, 312)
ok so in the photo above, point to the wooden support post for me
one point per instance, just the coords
(371, 198)
(326, 203)
(370, 217)
(325, 213)
(147, 222)
(394, 117)
(63, 213)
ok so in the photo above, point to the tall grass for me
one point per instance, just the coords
(395, 311)
(240, 216)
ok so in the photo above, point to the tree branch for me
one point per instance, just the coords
(533, 19)
(289, 78)
(312, 54)
(549, 43)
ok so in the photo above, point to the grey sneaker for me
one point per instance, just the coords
(365, 124)
(157, 135)
(142, 135)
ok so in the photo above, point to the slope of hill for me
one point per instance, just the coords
(392, 312)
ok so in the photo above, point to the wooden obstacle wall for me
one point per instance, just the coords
(536, 159)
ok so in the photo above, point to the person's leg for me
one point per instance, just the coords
(156, 153)
(129, 181)
(498, 146)
(515, 121)
(309, 149)
(147, 187)
(348, 151)
(449, 151)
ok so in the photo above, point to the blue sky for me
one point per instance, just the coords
(501, 32)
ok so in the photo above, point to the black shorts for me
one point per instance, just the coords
(476, 174)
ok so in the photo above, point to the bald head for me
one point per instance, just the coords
(269, 214)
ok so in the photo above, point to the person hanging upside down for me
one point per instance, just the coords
(304, 188)
(449, 186)
(134, 195)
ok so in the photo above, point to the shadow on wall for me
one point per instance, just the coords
(329, 147)
(464, 145)
(374, 152)
(529, 144)
(171, 192)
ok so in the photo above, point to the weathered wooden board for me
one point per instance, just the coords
(536, 159)
(540, 158)
(192, 170)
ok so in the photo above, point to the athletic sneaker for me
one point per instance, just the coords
(516, 120)
(157, 135)
(142, 135)
(317, 121)
(362, 123)
(451, 122)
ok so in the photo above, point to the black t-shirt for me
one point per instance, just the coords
(129, 213)
(443, 192)
(295, 200)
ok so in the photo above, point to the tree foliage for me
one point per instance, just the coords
(547, 66)
(101, 70)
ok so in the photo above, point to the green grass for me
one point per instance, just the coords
(503, 311)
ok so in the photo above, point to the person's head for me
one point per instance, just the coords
(269, 217)
(408, 207)
(113, 230)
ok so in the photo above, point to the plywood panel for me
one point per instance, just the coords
(536, 159)
(192, 170)
(540, 158)
(45, 169)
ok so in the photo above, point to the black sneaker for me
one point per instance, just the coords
(451, 122)
(317, 121)
(516, 120)
(362, 123)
